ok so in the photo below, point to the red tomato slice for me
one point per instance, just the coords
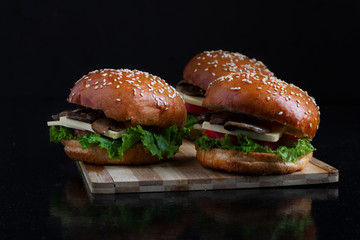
(271, 145)
(216, 135)
(81, 132)
(285, 140)
(191, 108)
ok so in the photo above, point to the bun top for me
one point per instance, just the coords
(130, 95)
(207, 66)
(265, 96)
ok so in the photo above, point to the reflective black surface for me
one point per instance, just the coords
(43, 195)
(246, 214)
(48, 45)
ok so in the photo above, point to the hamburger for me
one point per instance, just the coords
(206, 67)
(122, 116)
(258, 124)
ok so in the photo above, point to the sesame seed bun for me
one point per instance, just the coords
(130, 95)
(207, 66)
(266, 97)
(251, 163)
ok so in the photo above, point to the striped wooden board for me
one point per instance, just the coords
(185, 173)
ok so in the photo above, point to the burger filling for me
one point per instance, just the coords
(240, 132)
(92, 127)
(193, 96)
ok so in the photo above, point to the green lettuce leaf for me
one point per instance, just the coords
(56, 135)
(191, 133)
(161, 142)
(111, 145)
(190, 121)
(299, 148)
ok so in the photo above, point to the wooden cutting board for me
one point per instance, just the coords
(184, 173)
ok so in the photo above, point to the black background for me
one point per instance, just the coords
(48, 45)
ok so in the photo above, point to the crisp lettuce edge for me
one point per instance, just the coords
(300, 147)
(164, 143)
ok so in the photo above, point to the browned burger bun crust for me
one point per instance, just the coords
(130, 95)
(207, 66)
(250, 163)
(136, 155)
(267, 97)
(126, 98)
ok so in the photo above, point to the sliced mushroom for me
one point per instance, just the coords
(57, 116)
(189, 89)
(102, 125)
(86, 115)
(117, 126)
(220, 118)
(205, 116)
(231, 125)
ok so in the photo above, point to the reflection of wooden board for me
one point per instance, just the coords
(185, 173)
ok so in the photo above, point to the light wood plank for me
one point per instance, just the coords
(184, 173)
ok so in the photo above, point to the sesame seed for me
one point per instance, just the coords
(246, 80)
(118, 99)
(280, 113)
(268, 98)
(235, 88)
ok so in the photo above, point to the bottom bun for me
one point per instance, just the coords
(136, 155)
(250, 163)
